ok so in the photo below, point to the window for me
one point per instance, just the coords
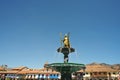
(104, 73)
(113, 72)
(100, 73)
(90, 73)
(109, 73)
(52, 70)
(47, 70)
(31, 76)
(86, 73)
(95, 73)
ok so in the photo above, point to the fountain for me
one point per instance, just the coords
(66, 69)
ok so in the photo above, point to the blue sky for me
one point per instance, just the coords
(29, 31)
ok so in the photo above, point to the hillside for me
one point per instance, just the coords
(113, 66)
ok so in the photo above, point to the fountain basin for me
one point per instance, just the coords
(66, 67)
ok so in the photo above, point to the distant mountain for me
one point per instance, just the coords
(113, 66)
(95, 63)
(116, 66)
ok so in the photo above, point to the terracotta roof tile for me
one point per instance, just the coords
(19, 68)
(1, 69)
(98, 68)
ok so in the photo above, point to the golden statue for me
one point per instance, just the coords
(66, 41)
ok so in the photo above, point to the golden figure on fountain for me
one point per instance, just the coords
(66, 41)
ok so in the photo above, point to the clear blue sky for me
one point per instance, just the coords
(29, 31)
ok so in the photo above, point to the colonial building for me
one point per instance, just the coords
(92, 72)
(99, 72)
(24, 73)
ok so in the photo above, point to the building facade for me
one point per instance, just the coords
(92, 72)
(99, 72)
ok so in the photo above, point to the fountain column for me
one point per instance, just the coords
(66, 49)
